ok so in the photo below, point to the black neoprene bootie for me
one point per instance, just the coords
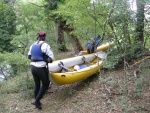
(37, 105)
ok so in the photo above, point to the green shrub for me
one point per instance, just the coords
(17, 62)
(114, 56)
(17, 84)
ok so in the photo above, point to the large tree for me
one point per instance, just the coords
(61, 27)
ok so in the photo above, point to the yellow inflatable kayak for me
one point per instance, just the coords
(74, 69)
(71, 77)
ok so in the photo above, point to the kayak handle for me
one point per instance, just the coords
(63, 67)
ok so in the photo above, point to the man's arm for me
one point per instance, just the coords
(46, 49)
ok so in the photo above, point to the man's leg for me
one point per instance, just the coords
(36, 81)
(42, 73)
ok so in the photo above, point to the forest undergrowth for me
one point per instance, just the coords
(109, 91)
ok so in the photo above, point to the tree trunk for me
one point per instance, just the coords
(74, 40)
(60, 38)
(140, 20)
(76, 44)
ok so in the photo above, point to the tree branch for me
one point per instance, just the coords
(108, 16)
(37, 5)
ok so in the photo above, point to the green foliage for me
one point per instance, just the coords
(17, 68)
(83, 15)
(5, 42)
(109, 81)
(141, 83)
(7, 26)
(17, 84)
(29, 18)
(15, 58)
(125, 104)
(122, 51)
(146, 37)
(114, 56)
(7, 18)
(18, 62)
